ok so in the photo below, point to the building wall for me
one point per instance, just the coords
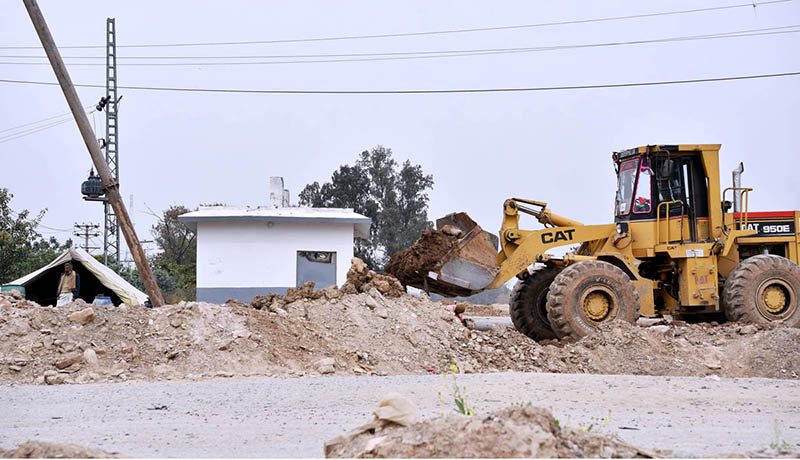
(240, 260)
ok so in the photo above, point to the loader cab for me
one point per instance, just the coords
(662, 183)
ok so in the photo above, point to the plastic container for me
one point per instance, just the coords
(14, 287)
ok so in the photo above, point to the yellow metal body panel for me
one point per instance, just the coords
(699, 282)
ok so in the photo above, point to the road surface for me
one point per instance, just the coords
(282, 417)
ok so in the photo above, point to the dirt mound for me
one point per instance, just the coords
(346, 334)
(411, 266)
(36, 449)
(361, 279)
(507, 433)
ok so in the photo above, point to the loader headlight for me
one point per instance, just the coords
(622, 228)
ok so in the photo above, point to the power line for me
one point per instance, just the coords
(408, 55)
(424, 91)
(737, 33)
(423, 33)
(27, 132)
(61, 115)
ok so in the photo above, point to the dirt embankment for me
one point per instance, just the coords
(365, 331)
(512, 432)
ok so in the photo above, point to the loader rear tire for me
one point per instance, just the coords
(763, 289)
(529, 304)
(587, 294)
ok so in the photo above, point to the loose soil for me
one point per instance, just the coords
(508, 433)
(411, 266)
(327, 332)
(36, 449)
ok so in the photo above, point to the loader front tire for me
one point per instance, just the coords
(528, 307)
(763, 289)
(587, 294)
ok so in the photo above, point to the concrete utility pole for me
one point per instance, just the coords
(110, 184)
(85, 231)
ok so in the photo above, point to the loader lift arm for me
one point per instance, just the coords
(521, 248)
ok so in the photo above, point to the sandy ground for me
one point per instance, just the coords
(280, 417)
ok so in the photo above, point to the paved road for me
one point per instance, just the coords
(277, 417)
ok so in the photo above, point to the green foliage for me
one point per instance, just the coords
(457, 395)
(177, 242)
(22, 248)
(174, 267)
(394, 196)
(779, 444)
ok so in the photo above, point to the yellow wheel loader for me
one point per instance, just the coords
(678, 245)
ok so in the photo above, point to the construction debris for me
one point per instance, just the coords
(507, 433)
(355, 334)
(37, 449)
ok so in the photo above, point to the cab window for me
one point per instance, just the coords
(625, 182)
(641, 205)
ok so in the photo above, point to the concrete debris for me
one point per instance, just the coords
(326, 366)
(83, 316)
(362, 335)
(507, 433)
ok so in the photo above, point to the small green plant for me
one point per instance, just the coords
(778, 443)
(597, 423)
(457, 394)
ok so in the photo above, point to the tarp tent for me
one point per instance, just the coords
(96, 279)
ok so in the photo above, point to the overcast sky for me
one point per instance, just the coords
(188, 148)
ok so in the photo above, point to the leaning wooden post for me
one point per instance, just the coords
(110, 184)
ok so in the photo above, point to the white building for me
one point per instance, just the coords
(243, 252)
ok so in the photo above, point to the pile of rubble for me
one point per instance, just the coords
(369, 327)
(517, 431)
(37, 449)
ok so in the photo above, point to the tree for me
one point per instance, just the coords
(177, 242)
(174, 267)
(22, 248)
(395, 199)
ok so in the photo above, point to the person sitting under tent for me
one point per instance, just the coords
(69, 286)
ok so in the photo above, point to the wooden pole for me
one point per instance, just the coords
(110, 184)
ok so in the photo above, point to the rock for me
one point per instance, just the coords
(223, 374)
(281, 312)
(15, 294)
(382, 312)
(52, 377)
(15, 368)
(713, 364)
(69, 361)
(326, 366)
(83, 316)
(452, 230)
(90, 357)
(227, 344)
(331, 292)
(306, 291)
(260, 302)
(748, 329)
(662, 328)
(172, 354)
(371, 303)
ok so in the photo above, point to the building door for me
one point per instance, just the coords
(316, 266)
